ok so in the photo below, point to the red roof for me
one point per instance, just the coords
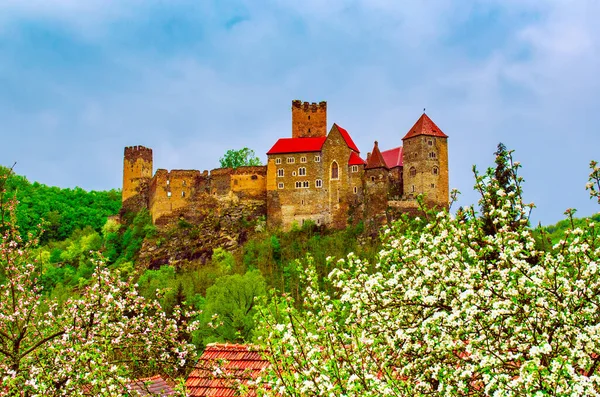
(355, 159)
(347, 138)
(393, 157)
(153, 386)
(376, 159)
(424, 126)
(223, 368)
(297, 145)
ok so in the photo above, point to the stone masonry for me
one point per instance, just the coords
(313, 176)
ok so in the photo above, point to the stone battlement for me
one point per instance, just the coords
(135, 152)
(296, 103)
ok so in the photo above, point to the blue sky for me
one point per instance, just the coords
(80, 80)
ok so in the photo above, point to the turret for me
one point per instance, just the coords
(137, 170)
(425, 157)
(309, 120)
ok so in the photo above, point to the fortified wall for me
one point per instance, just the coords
(176, 194)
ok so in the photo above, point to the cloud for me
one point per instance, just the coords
(193, 79)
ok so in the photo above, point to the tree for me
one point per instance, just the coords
(231, 304)
(92, 344)
(449, 310)
(239, 158)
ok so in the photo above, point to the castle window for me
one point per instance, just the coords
(335, 171)
(413, 188)
(182, 194)
(435, 170)
(254, 177)
(168, 194)
(309, 130)
(303, 159)
(309, 117)
(305, 184)
(430, 142)
(298, 184)
(355, 190)
(433, 185)
(355, 168)
(280, 185)
(183, 183)
(413, 171)
(293, 173)
(372, 179)
(302, 171)
(277, 161)
(432, 155)
(235, 181)
(318, 183)
(168, 182)
(291, 160)
(317, 159)
(302, 204)
(280, 172)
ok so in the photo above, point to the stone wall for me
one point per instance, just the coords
(309, 119)
(137, 172)
(426, 169)
(171, 191)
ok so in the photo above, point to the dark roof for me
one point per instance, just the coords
(376, 159)
(222, 368)
(297, 145)
(355, 159)
(347, 138)
(424, 126)
(153, 386)
(393, 157)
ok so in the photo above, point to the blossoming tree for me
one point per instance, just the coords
(464, 305)
(92, 344)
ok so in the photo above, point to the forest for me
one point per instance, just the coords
(78, 249)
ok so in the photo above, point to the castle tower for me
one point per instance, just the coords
(377, 185)
(137, 171)
(309, 120)
(425, 156)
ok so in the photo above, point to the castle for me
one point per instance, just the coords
(312, 176)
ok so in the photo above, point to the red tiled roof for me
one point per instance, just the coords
(424, 126)
(393, 157)
(223, 368)
(347, 138)
(153, 386)
(376, 159)
(297, 145)
(355, 159)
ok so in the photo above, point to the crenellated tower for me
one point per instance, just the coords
(137, 172)
(309, 120)
(425, 156)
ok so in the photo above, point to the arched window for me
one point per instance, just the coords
(334, 171)
(435, 170)
(413, 171)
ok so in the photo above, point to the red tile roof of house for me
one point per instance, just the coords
(347, 138)
(297, 145)
(222, 368)
(393, 157)
(153, 386)
(376, 159)
(355, 159)
(424, 126)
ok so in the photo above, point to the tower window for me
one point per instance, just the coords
(302, 171)
(435, 170)
(309, 130)
(280, 172)
(413, 188)
(182, 194)
(280, 185)
(413, 171)
(355, 168)
(355, 190)
(318, 183)
(183, 183)
(335, 171)
(168, 182)
(432, 155)
(372, 179)
(309, 117)
(277, 161)
(168, 194)
(433, 185)
(430, 142)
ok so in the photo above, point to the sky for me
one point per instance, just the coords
(80, 80)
